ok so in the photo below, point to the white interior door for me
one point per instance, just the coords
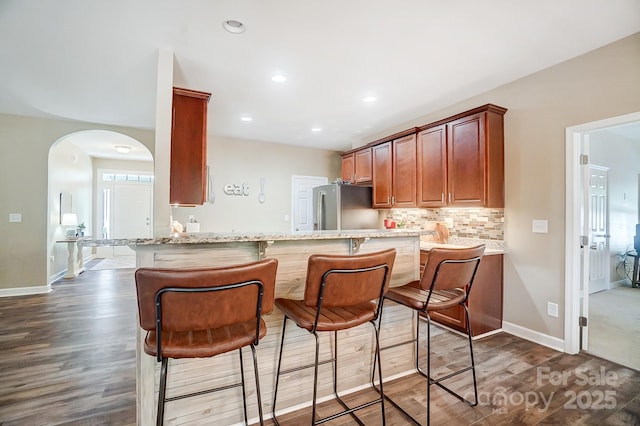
(599, 258)
(302, 201)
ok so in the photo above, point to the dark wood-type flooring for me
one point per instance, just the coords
(68, 357)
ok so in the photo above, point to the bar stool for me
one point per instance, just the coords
(446, 282)
(341, 292)
(204, 312)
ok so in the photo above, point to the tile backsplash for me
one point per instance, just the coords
(487, 224)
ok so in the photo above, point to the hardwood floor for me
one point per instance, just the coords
(68, 357)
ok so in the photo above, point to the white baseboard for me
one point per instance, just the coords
(533, 336)
(24, 291)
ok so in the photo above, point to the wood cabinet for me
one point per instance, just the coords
(461, 160)
(188, 173)
(484, 302)
(356, 166)
(394, 173)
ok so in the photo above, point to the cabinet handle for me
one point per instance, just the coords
(442, 198)
(449, 197)
(393, 200)
(388, 200)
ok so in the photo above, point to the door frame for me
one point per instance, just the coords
(573, 252)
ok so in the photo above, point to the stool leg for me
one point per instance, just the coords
(257, 376)
(428, 368)
(315, 379)
(162, 391)
(377, 352)
(275, 389)
(473, 364)
(244, 394)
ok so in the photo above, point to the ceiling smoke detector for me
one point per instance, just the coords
(233, 26)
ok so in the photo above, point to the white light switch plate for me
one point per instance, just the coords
(540, 226)
(15, 217)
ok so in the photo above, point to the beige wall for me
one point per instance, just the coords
(234, 161)
(24, 252)
(600, 84)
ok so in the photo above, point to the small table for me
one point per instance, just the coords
(75, 262)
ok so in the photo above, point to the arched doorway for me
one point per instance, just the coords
(75, 162)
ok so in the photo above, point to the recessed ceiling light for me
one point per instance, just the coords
(369, 99)
(316, 129)
(123, 149)
(279, 78)
(233, 26)
(246, 118)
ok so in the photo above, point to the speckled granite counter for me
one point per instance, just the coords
(222, 237)
(492, 246)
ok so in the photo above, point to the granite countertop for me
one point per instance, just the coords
(492, 246)
(217, 237)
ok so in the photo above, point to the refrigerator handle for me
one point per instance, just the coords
(319, 204)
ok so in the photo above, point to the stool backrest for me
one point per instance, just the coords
(337, 280)
(451, 268)
(189, 300)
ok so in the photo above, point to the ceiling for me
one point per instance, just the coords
(96, 61)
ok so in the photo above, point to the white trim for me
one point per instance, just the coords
(572, 226)
(25, 291)
(534, 336)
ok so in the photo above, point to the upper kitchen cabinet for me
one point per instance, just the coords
(461, 160)
(356, 166)
(188, 173)
(394, 172)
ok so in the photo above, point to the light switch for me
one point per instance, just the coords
(540, 226)
(15, 217)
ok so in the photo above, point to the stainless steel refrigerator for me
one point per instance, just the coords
(342, 207)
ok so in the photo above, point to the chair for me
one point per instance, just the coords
(341, 292)
(446, 282)
(200, 313)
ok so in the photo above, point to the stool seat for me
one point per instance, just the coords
(330, 318)
(204, 343)
(411, 295)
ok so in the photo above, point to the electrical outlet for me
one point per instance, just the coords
(15, 217)
(552, 309)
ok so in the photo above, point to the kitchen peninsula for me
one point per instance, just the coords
(292, 251)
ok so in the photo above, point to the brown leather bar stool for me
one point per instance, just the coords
(341, 292)
(446, 282)
(201, 313)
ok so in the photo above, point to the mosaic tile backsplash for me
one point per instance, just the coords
(487, 224)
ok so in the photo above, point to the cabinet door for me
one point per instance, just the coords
(466, 162)
(404, 172)
(382, 175)
(363, 166)
(432, 167)
(188, 172)
(348, 168)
